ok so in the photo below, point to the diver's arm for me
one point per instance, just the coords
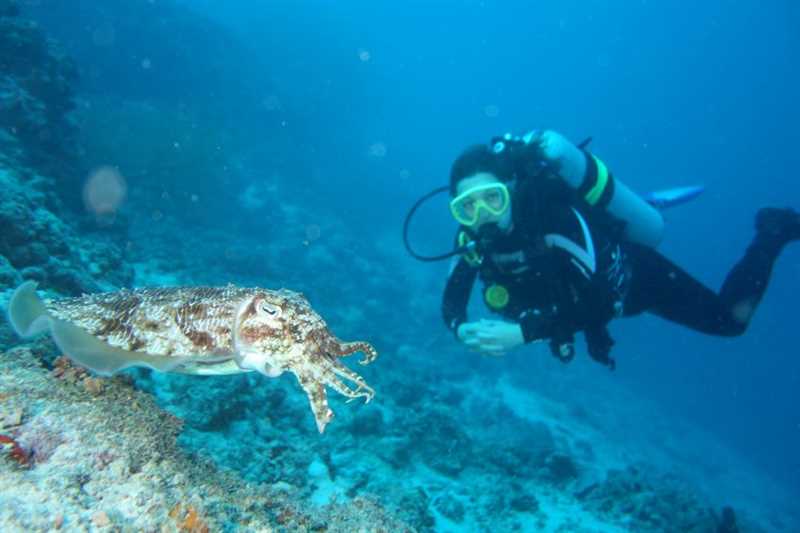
(456, 294)
(589, 177)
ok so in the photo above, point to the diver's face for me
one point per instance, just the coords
(499, 208)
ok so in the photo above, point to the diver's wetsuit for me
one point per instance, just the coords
(555, 290)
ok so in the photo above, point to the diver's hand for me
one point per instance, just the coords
(491, 337)
(565, 156)
(552, 143)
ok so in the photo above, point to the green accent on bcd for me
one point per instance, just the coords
(596, 192)
(496, 296)
(472, 257)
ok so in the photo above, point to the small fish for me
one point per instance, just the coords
(198, 330)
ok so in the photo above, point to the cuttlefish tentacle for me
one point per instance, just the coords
(317, 399)
(342, 349)
(326, 372)
(362, 390)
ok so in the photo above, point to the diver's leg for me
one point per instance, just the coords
(748, 279)
(661, 287)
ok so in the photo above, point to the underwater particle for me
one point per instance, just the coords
(194, 198)
(364, 55)
(157, 215)
(271, 102)
(313, 232)
(104, 34)
(104, 191)
(491, 111)
(146, 63)
(405, 174)
(377, 149)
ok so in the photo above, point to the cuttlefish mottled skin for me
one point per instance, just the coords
(198, 330)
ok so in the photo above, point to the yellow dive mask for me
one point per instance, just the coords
(493, 197)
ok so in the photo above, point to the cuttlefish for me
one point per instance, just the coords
(198, 330)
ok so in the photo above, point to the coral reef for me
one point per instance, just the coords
(36, 242)
(644, 504)
(432, 467)
(107, 458)
(36, 95)
(40, 239)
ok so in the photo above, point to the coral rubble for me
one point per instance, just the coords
(108, 457)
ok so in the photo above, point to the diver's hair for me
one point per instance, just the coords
(475, 159)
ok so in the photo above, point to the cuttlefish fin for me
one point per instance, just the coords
(27, 312)
(29, 316)
(103, 358)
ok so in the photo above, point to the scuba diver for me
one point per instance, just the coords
(563, 247)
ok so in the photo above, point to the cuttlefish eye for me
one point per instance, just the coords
(267, 308)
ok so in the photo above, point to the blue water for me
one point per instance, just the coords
(672, 95)
(361, 107)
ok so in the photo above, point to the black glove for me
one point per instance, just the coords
(599, 343)
(522, 158)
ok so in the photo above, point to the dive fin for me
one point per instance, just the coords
(27, 312)
(666, 198)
